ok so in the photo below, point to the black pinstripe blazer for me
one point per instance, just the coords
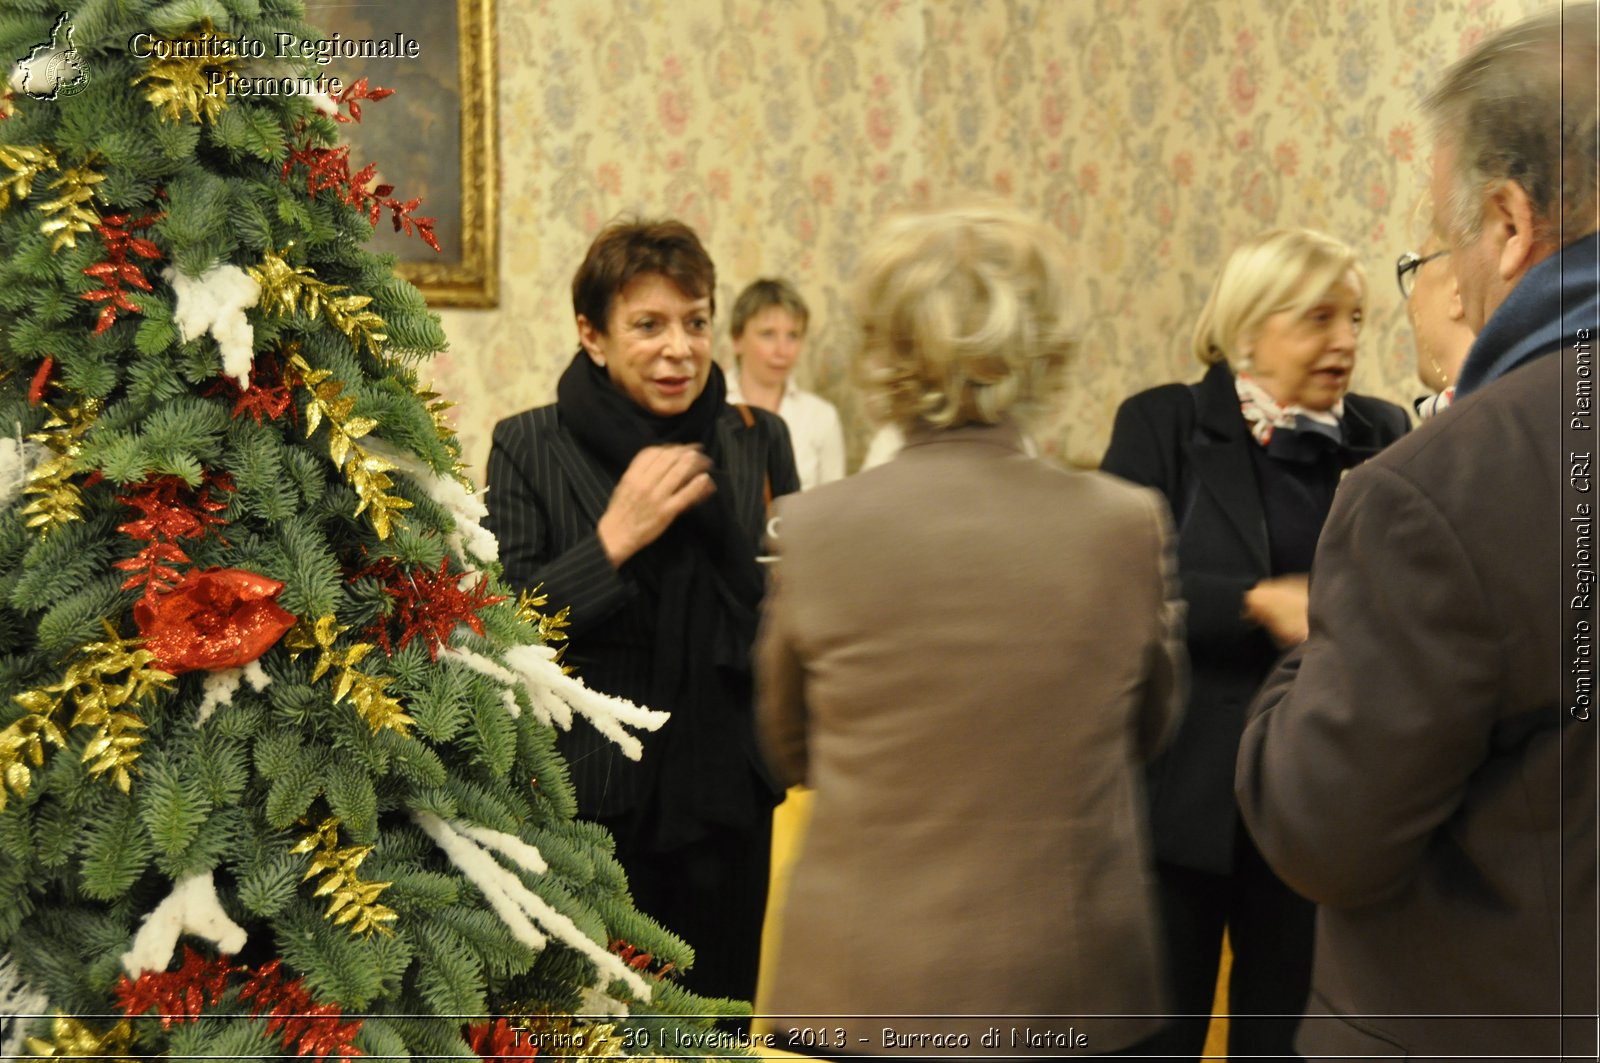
(546, 495)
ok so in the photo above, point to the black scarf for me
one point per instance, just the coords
(707, 588)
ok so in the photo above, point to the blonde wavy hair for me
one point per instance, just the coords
(963, 317)
(1280, 270)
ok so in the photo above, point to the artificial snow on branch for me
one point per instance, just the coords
(17, 1000)
(191, 908)
(216, 301)
(517, 905)
(464, 507)
(555, 696)
(18, 457)
(221, 686)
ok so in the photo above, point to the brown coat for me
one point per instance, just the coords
(968, 654)
(1412, 767)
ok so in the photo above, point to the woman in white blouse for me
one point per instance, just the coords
(769, 333)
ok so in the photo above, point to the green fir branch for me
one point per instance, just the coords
(338, 965)
(449, 978)
(74, 619)
(116, 850)
(352, 798)
(63, 564)
(301, 561)
(292, 792)
(221, 762)
(270, 883)
(171, 804)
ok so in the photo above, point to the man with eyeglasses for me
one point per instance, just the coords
(1424, 765)
(1438, 327)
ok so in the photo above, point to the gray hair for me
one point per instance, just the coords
(1522, 106)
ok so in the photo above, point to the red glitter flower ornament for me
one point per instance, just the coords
(212, 619)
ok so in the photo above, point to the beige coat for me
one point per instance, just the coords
(968, 654)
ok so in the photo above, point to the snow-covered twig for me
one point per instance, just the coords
(220, 687)
(191, 908)
(18, 457)
(517, 905)
(17, 1000)
(555, 696)
(216, 301)
(466, 508)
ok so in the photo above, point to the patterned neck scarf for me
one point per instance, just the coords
(1433, 405)
(1266, 418)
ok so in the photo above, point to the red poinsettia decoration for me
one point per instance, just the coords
(212, 619)
(430, 604)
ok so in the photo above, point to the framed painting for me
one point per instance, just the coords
(434, 138)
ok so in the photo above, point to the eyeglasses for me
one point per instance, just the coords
(1406, 266)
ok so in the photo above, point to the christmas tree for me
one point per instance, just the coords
(277, 760)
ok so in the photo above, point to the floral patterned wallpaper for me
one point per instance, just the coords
(1155, 134)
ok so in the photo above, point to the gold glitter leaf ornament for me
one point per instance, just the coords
(366, 692)
(552, 627)
(24, 163)
(367, 473)
(69, 213)
(352, 901)
(101, 702)
(286, 289)
(22, 744)
(71, 1039)
(181, 86)
(57, 499)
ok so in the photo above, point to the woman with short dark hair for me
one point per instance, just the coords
(638, 500)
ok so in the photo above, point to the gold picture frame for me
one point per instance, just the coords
(444, 96)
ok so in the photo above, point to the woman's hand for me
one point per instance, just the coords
(659, 484)
(1281, 605)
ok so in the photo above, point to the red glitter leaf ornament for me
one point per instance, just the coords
(500, 1040)
(176, 996)
(116, 230)
(171, 512)
(41, 380)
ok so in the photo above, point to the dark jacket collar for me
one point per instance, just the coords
(1220, 452)
(1554, 299)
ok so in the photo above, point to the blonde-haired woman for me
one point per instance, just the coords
(967, 653)
(1248, 459)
